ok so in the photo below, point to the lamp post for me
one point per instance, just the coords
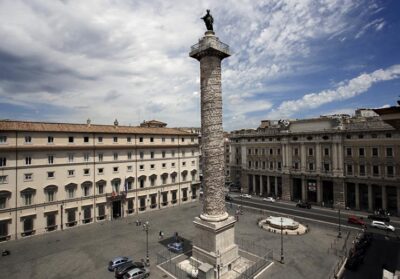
(282, 258)
(146, 227)
(339, 228)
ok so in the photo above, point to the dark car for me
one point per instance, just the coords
(228, 198)
(355, 220)
(379, 217)
(303, 204)
(124, 268)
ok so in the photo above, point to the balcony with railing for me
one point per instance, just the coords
(215, 44)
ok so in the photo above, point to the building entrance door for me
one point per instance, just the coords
(116, 212)
(297, 189)
(327, 193)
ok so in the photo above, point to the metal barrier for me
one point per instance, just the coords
(257, 253)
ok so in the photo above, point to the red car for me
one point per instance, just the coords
(355, 220)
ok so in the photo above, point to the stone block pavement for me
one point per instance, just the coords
(84, 252)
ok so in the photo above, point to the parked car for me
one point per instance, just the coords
(176, 247)
(124, 268)
(246, 196)
(137, 273)
(269, 199)
(234, 187)
(228, 198)
(117, 261)
(379, 217)
(303, 204)
(382, 225)
(355, 220)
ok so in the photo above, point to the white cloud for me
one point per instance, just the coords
(346, 90)
(376, 24)
(129, 59)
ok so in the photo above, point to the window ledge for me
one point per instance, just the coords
(5, 238)
(28, 233)
(51, 228)
(87, 220)
(71, 224)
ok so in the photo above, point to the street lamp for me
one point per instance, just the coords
(282, 258)
(146, 227)
(339, 228)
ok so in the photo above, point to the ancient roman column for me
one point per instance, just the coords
(210, 52)
(214, 245)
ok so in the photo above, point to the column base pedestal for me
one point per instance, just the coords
(214, 244)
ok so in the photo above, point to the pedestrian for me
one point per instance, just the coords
(161, 235)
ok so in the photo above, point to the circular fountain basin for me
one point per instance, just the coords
(286, 223)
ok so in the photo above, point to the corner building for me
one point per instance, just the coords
(331, 161)
(54, 176)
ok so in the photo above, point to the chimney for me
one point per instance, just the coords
(116, 122)
(88, 122)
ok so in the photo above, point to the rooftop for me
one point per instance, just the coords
(10, 125)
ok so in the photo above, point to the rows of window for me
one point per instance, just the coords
(375, 170)
(361, 151)
(277, 151)
(325, 137)
(373, 136)
(71, 158)
(100, 139)
(86, 171)
(71, 190)
(373, 151)
(71, 218)
(262, 151)
(271, 165)
(264, 165)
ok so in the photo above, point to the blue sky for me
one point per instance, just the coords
(67, 61)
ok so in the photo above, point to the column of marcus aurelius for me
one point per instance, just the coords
(214, 244)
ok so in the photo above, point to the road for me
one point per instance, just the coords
(315, 214)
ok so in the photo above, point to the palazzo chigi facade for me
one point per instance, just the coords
(337, 160)
(54, 176)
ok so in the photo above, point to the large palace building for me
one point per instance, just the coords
(331, 160)
(54, 176)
